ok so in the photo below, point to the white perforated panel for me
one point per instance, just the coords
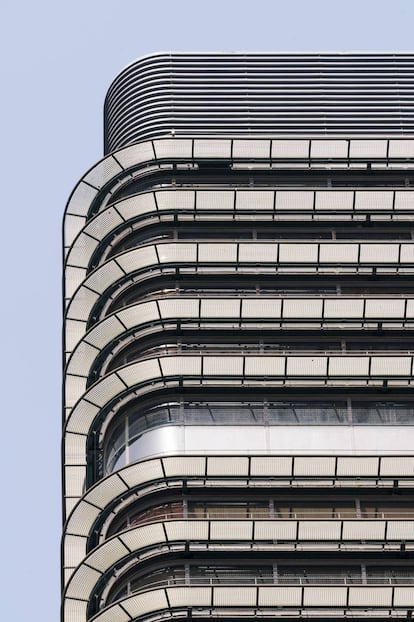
(104, 276)
(231, 530)
(74, 550)
(173, 148)
(234, 596)
(314, 465)
(334, 200)
(82, 359)
(302, 307)
(176, 200)
(223, 366)
(307, 365)
(107, 554)
(395, 466)
(181, 366)
(141, 604)
(323, 596)
(72, 225)
(75, 449)
(140, 372)
(179, 308)
(294, 200)
(184, 466)
(329, 149)
(271, 465)
(104, 332)
(227, 466)
(220, 308)
(407, 253)
(344, 308)
(217, 253)
(404, 200)
(74, 480)
(348, 366)
(280, 596)
(290, 149)
(215, 200)
(400, 530)
(136, 205)
(144, 472)
(379, 253)
(261, 308)
(260, 253)
(319, 530)
(135, 154)
(141, 313)
(81, 251)
(298, 253)
(105, 389)
(251, 149)
(275, 530)
(368, 596)
(391, 366)
(385, 308)
(82, 582)
(106, 490)
(372, 200)
(81, 417)
(81, 199)
(359, 467)
(139, 258)
(103, 172)
(404, 597)
(212, 148)
(82, 518)
(186, 530)
(189, 596)
(363, 530)
(140, 537)
(368, 149)
(75, 610)
(265, 366)
(338, 253)
(254, 200)
(401, 149)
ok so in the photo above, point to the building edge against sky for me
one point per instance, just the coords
(238, 419)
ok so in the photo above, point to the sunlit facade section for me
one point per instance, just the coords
(238, 420)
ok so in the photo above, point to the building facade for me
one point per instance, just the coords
(239, 303)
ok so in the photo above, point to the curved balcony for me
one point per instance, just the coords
(232, 259)
(102, 179)
(242, 370)
(157, 539)
(255, 601)
(164, 473)
(256, 511)
(215, 313)
(272, 206)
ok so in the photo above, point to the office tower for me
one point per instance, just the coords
(239, 314)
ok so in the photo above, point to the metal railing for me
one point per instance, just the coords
(254, 580)
(229, 514)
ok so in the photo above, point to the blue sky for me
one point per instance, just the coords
(58, 60)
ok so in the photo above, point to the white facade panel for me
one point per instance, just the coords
(294, 200)
(255, 200)
(334, 200)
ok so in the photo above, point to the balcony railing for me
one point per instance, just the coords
(322, 514)
(268, 580)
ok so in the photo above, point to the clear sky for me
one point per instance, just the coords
(58, 58)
